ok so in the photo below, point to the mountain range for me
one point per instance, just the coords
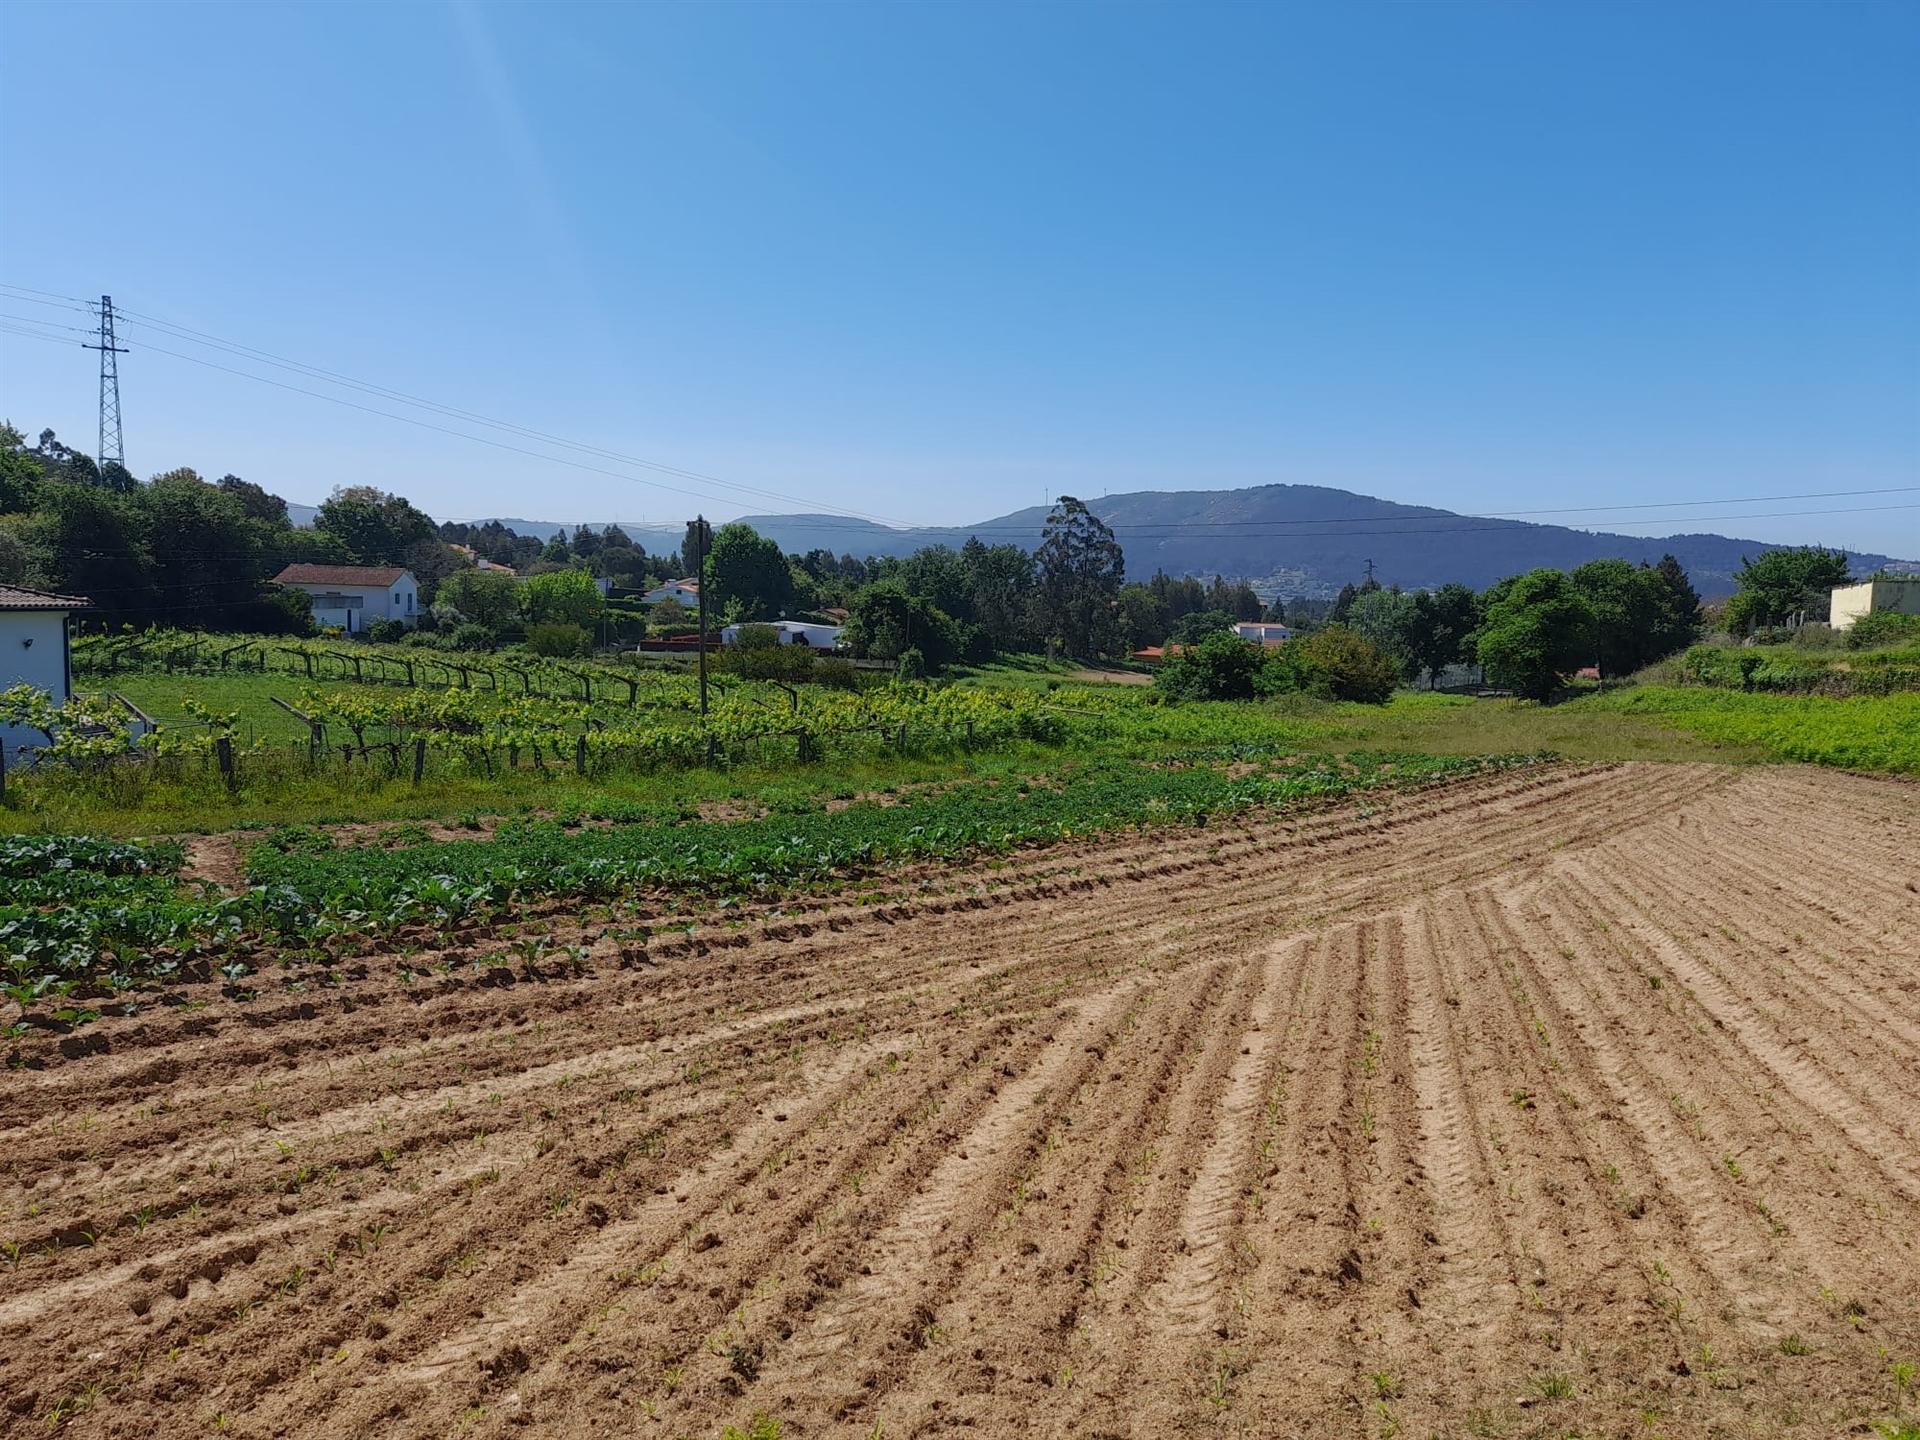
(1286, 539)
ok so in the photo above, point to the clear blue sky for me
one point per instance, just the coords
(934, 262)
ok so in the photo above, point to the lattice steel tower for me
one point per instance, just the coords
(111, 446)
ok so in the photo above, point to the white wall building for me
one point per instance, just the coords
(687, 592)
(793, 632)
(34, 651)
(352, 597)
(1850, 602)
(1263, 632)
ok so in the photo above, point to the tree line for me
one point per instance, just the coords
(182, 550)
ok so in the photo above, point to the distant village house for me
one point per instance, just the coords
(480, 562)
(1263, 632)
(686, 592)
(352, 597)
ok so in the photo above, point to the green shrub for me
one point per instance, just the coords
(559, 640)
(756, 637)
(1348, 665)
(1220, 667)
(791, 663)
(913, 664)
(1883, 627)
(386, 632)
(472, 636)
(835, 673)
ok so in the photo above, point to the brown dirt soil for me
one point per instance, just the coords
(1566, 1101)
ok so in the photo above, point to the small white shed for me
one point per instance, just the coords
(34, 650)
(793, 632)
(1898, 595)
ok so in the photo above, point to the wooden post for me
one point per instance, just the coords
(419, 757)
(223, 748)
(580, 755)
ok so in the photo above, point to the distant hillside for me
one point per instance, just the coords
(1310, 539)
(1286, 539)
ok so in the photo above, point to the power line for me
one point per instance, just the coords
(234, 347)
(50, 324)
(428, 425)
(1279, 527)
(50, 304)
(50, 294)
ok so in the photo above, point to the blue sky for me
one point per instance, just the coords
(936, 262)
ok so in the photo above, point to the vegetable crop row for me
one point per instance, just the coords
(123, 924)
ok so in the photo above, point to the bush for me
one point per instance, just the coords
(472, 636)
(756, 637)
(835, 673)
(1198, 625)
(559, 640)
(1816, 636)
(913, 664)
(792, 663)
(386, 632)
(1883, 627)
(1220, 667)
(278, 612)
(1346, 664)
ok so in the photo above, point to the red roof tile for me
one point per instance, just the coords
(18, 597)
(340, 574)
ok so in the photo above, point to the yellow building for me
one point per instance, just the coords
(1850, 602)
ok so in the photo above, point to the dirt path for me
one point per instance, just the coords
(1564, 1101)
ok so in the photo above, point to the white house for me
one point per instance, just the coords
(793, 632)
(1850, 602)
(481, 562)
(1263, 632)
(34, 651)
(354, 596)
(687, 592)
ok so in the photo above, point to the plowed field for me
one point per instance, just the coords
(1563, 1101)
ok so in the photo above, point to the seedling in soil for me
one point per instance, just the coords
(1793, 1345)
(1552, 1386)
(1384, 1384)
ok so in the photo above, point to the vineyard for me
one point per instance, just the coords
(360, 662)
(398, 713)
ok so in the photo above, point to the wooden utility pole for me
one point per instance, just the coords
(700, 580)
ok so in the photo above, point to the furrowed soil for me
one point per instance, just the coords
(1562, 1101)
